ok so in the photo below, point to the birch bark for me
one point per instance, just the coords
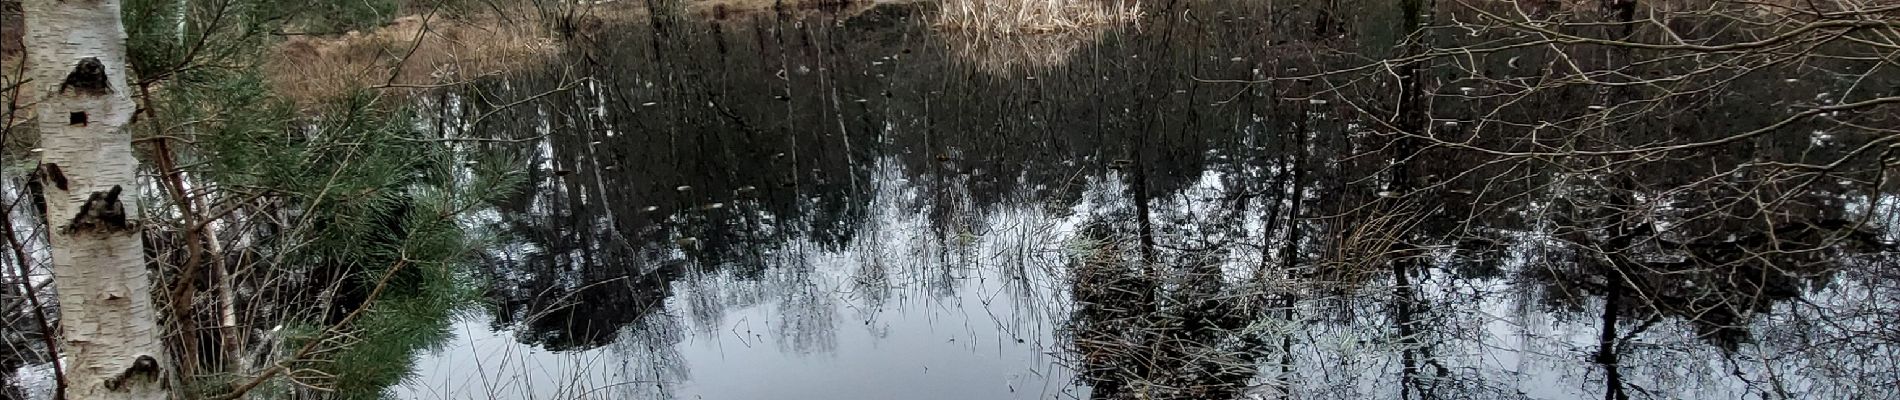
(109, 328)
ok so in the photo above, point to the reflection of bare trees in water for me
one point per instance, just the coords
(808, 312)
(1334, 257)
(705, 301)
(1716, 284)
(1017, 253)
(952, 221)
(1657, 203)
(871, 284)
(1011, 55)
(874, 256)
(648, 359)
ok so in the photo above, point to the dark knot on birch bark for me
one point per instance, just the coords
(102, 212)
(88, 77)
(143, 370)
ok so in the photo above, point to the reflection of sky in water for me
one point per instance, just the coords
(902, 313)
(912, 311)
(950, 292)
(951, 261)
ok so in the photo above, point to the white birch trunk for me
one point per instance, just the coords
(110, 337)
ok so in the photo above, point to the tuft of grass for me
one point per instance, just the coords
(1006, 37)
(1363, 247)
(1003, 17)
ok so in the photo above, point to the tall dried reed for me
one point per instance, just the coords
(1032, 16)
(1005, 37)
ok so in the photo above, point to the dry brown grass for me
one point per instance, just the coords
(414, 51)
(1033, 16)
(1007, 37)
(418, 51)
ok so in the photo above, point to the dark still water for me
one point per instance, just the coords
(851, 204)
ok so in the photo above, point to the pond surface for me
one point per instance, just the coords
(849, 204)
